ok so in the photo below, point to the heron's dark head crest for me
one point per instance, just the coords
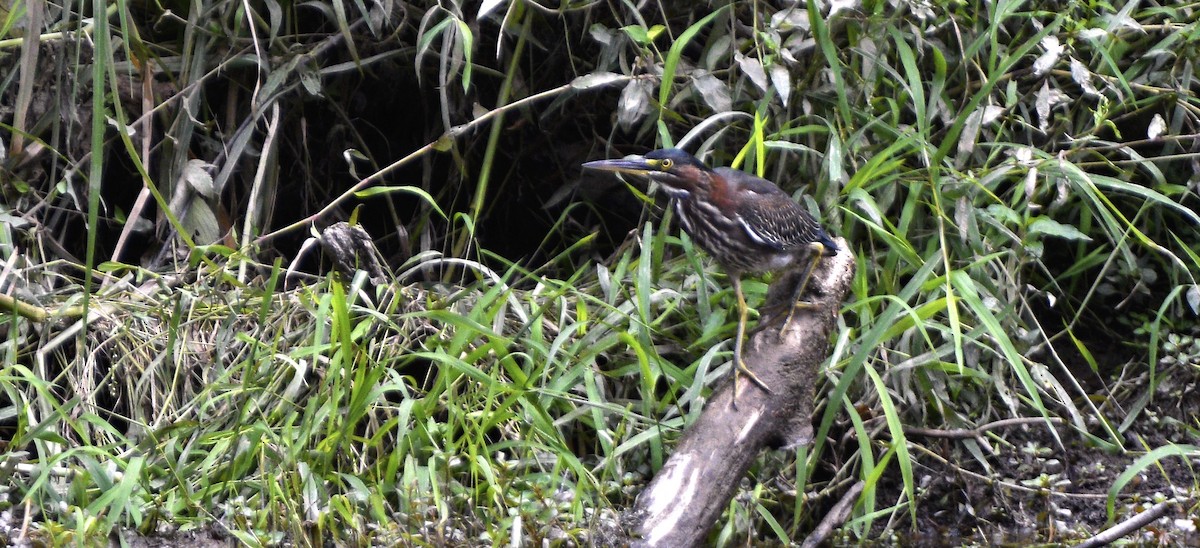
(681, 172)
(669, 159)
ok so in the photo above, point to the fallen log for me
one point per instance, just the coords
(696, 483)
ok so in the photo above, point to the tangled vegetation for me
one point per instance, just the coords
(1018, 180)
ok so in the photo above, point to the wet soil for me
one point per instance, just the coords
(1040, 484)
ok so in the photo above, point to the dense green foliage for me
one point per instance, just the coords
(1017, 180)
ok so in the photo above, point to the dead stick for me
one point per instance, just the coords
(968, 433)
(1128, 526)
(835, 517)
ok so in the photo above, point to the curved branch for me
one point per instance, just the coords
(695, 485)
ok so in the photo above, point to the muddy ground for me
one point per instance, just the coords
(1052, 486)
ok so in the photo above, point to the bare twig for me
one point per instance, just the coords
(835, 517)
(36, 313)
(1007, 484)
(1128, 526)
(445, 139)
(979, 431)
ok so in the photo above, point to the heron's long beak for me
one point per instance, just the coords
(635, 165)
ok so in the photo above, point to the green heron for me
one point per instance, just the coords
(746, 223)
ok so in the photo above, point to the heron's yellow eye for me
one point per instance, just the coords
(665, 164)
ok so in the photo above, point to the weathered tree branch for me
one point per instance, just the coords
(695, 485)
(836, 516)
(1112, 534)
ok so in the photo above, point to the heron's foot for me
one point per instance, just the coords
(798, 305)
(738, 371)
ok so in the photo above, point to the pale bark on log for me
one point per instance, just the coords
(695, 485)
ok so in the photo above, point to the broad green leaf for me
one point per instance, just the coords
(672, 60)
(421, 193)
(597, 79)
(1143, 462)
(1050, 227)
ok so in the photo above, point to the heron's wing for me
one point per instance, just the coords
(770, 217)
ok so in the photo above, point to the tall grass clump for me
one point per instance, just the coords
(1017, 180)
